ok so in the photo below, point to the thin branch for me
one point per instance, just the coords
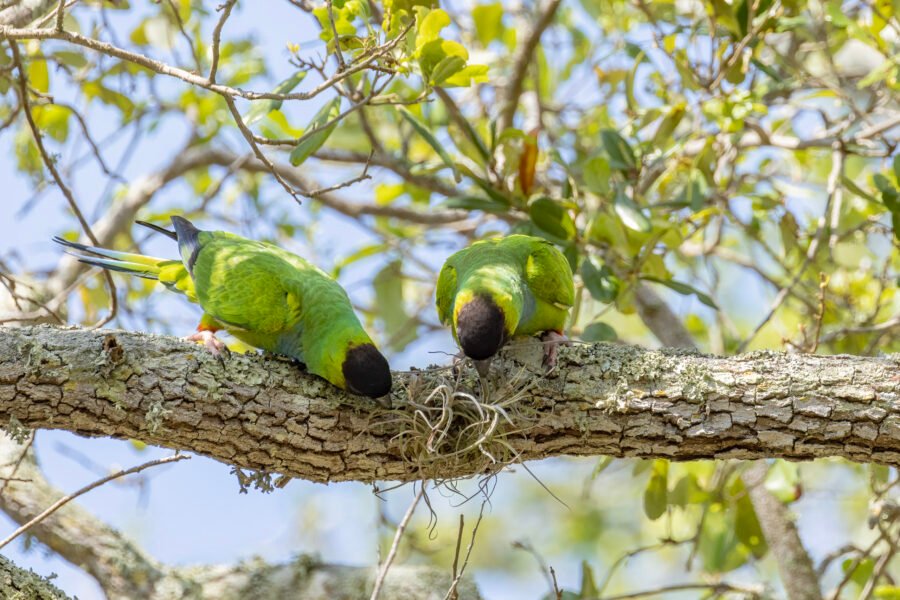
(458, 575)
(713, 588)
(217, 38)
(51, 166)
(524, 52)
(184, 34)
(398, 535)
(361, 177)
(835, 193)
(13, 33)
(248, 135)
(336, 38)
(60, 15)
(66, 499)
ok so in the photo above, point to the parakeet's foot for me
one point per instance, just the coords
(215, 346)
(552, 341)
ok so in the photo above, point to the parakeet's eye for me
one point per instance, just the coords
(367, 372)
(481, 328)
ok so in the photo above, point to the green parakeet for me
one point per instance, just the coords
(263, 295)
(495, 289)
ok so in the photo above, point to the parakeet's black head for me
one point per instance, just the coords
(480, 328)
(366, 371)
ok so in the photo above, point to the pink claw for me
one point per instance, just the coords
(215, 346)
(552, 341)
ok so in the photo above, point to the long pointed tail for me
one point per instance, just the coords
(171, 273)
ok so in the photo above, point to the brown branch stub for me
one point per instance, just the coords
(267, 414)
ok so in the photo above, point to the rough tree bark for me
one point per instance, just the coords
(267, 414)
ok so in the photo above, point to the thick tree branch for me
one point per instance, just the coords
(24, 12)
(124, 571)
(794, 565)
(266, 414)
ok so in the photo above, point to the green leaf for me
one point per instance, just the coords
(53, 120)
(897, 168)
(95, 89)
(656, 496)
(430, 27)
(261, 108)
(890, 196)
(783, 480)
(696, 191)
(552, 218)
(682, 288)
(601, 283)
(476, 203)
(468, 76)
(364, 252)
(688, 491)
(488, 20)
(746, 524)
(423, 131)
(588, 584)
(887, 592)
(448, 67)
(621, 155)
(596, 175)
(630, 213)
(76, 60)
(472, 136)
(859, 572)
(598, 331)
(316, 133)
(879, 73)
(668, 125)
(398, 325)
(38, 75)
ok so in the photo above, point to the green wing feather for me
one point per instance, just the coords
(549, 275)
(242, 285)
(446, 293)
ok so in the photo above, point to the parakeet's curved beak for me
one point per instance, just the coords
(480, 328)
(366, 371)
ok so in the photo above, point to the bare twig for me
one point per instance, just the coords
(401, 528)
(713, 588)
(12, 33)
(60, 14)
(521, 60)
(66, 499)
(217, 38)
(51, 166)
(361, 177)
(184, 34)
(458, 575)
(835, 192)
(248, 135)
(337, 40)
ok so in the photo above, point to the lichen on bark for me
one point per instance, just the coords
(266, 414)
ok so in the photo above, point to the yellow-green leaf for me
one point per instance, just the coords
(317, 133)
